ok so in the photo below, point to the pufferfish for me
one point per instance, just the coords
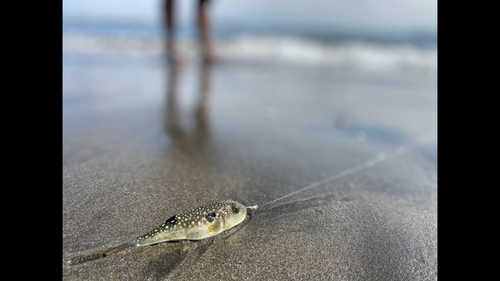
(195, 224)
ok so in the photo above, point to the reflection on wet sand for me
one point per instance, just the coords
(377, 223)
(197, 141)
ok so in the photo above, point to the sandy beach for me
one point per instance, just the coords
(143, 142)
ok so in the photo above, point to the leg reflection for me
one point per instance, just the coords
(202, 109)
(171, 120)
(196, 141)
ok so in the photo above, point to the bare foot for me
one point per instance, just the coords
(176, 60)
(172, 56)
(209, 56)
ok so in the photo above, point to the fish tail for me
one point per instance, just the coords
(130, 244)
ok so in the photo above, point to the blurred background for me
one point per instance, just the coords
(362, 72)
(383, 35)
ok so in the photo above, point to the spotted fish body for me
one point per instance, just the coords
(195, 224)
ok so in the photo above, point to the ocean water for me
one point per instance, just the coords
(412, 52)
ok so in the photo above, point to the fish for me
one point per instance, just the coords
(196, 224)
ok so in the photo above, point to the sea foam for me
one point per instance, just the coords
(344, 55)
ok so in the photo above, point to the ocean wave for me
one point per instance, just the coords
(344, 55)
(348, 55)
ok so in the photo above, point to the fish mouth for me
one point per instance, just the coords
(254, 207)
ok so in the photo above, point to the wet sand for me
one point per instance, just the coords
(142, 142)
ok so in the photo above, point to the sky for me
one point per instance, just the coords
(380, 15)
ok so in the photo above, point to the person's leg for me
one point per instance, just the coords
(205, 29)
(169, 23)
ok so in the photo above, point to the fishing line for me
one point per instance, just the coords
(379, 158)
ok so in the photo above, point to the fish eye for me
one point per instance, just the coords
(236, 208)
(210, 217)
